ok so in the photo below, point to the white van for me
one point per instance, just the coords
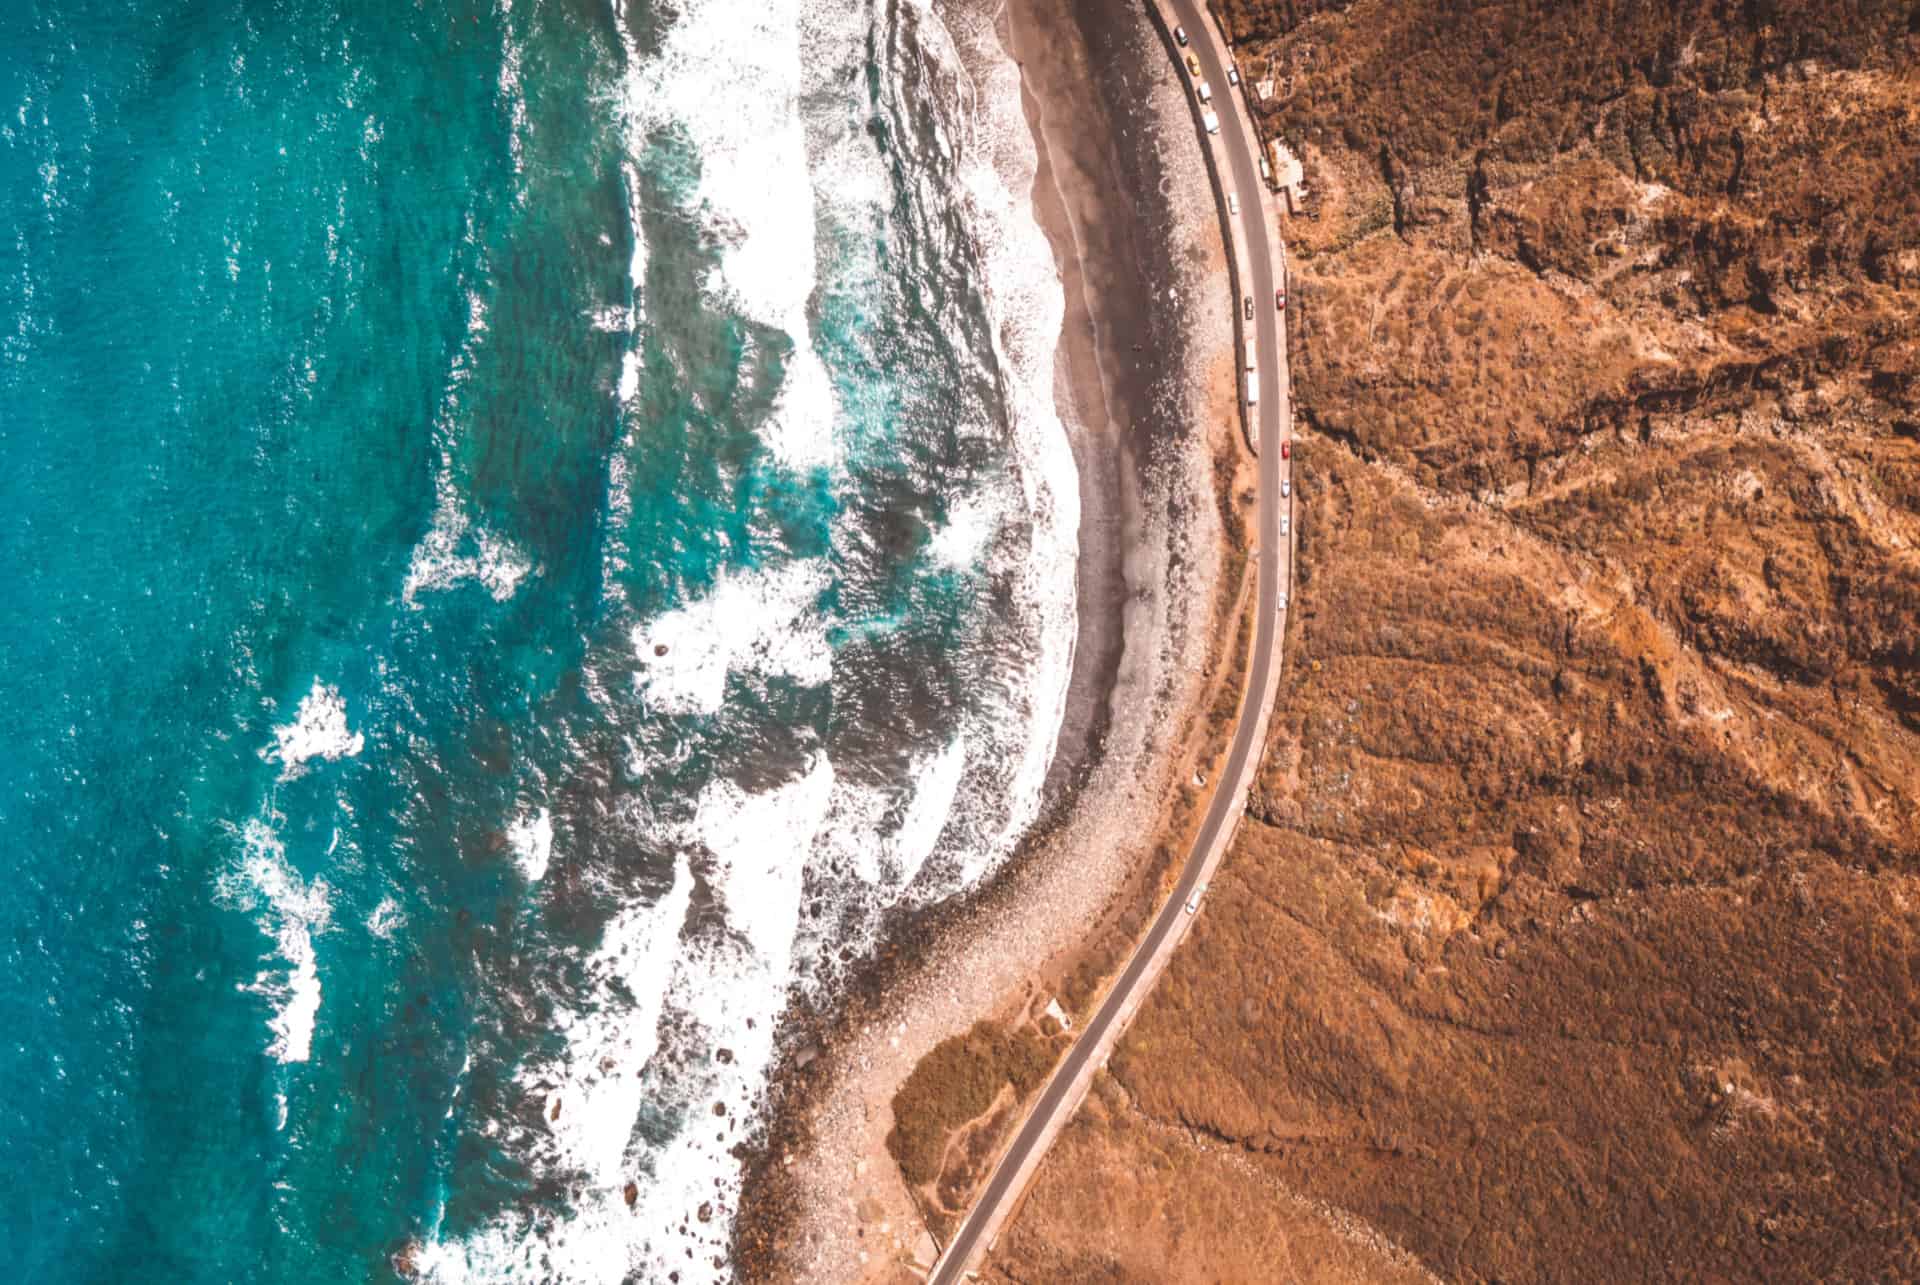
(1233, 203)
(1193, 902)
(1210, 120)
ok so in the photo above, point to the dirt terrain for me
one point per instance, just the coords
(1574, 929)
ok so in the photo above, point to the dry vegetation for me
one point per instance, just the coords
(1574, 930)
(1132, 1202)
(956, 1083)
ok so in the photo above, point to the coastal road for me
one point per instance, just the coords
(1260, 265)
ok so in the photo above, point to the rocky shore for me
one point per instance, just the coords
(1124, 201)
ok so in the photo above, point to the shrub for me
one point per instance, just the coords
(957, 1082)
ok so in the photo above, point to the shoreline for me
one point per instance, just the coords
(1130, 222)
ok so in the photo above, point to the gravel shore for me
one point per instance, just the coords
(1144, 385)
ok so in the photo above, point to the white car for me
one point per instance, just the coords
(1286, 487)
(1193, 902)
(1233, 75)
(1283, 602)
(1283, 524)
(1233, 203)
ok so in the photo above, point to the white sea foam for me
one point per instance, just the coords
(611, 320)
(884, 836)
(995, 167)
(754, 185)
(530, 835)
(626, 320)
(760, 844)
(590, 1099)
(499, 565)
(514, 96)
(319, 731)
(729, 989)
(721, 992)
(629, 377)
(937, 780)
(437, 562)
(970, 526)
(614, 560)
(452, 551)
(859, 847)
(1019, 527)
(290, 911)
(764, 623)
(609, 1042)
(387, 919)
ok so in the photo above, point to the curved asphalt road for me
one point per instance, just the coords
(1260, 275)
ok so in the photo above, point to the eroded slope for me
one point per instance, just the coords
(1574, 931)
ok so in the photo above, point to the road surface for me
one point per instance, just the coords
(1234, 152)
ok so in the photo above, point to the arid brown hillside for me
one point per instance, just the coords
(1574, 933)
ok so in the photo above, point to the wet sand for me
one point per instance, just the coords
(1124, 200)
(1116, 348)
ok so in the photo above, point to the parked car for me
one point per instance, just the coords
(1180, 34)
(1286, 487)
(1279, 300)
(1193, 65)
(1193, 902)
(1283, 524)
(1283, 602)
(1233, 74)
(1286, 449)
(1205, 91)
(1233, 203)
(1249, 307)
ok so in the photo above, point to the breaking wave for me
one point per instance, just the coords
(815, 738)
(319, 730)
(290, 911)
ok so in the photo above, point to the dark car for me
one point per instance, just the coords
(1279, 300)
(1180, 34)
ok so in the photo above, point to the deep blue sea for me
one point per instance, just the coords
(530, 531)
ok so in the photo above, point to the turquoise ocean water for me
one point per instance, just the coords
(527, 539)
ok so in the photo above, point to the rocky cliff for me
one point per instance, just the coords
(1574, 931)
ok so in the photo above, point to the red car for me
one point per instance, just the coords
(1279, 300)
(1286, 448)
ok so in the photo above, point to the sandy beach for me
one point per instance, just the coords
(1144, 383)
